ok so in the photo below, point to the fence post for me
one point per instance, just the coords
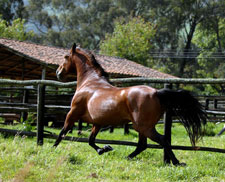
(206, 104)
(215, 103)
(126, 128)
(111, 129)
(167, 127)
(40, 110)
(25, 100)
(40, 114)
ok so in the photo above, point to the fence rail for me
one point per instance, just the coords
(111, 142)
(41, 107)
(115, 81)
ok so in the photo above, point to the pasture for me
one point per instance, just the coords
(22, 160)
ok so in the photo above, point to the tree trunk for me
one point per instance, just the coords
(218, 37)
(187, 48)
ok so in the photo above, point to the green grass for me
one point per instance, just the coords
(22, 160)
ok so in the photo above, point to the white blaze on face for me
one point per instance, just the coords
(59, 71)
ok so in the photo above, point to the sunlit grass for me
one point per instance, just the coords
(22, 160)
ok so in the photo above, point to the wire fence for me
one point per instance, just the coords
(187, 54)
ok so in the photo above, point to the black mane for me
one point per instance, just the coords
(99, 67)
(95, 64)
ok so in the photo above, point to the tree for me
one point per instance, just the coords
(86, 22)
(62, 22)
(176, 24)
(15, 31)
(210, 39)
(12, 9)
(131, 40)
(211, 43)
(59, 22)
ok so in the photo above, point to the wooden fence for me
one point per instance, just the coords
(40, 106)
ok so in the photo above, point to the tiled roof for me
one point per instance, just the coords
(126, 67)
(55, 56)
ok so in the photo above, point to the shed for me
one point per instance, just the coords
(25, 61)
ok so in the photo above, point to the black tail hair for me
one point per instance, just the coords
(188, 109)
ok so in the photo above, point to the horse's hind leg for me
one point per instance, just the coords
(94, 132)
(142, 145)
(156, 137)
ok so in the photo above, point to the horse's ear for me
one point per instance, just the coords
(74, 48)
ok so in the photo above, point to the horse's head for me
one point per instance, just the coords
(67, 66)
(79, 56)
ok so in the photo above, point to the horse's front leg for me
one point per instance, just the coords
(68, 125)
(94, 132)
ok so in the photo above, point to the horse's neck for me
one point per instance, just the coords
(87, 74)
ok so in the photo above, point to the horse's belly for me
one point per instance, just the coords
(107, 114)
(106, 118)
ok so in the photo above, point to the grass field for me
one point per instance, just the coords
(22, 160)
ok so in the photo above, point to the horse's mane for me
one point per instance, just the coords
(93, 62)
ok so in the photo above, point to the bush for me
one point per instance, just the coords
(15, 31)
(28, 123)
(131, 40)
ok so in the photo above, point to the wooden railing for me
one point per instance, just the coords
(40, 106)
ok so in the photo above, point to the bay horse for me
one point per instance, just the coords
(98, 102)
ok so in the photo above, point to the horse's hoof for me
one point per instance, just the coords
(129, 158)
(100, 151)
(107, 148)
(182, 164)
(55, 145)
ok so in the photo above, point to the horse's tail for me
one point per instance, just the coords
(188, 110)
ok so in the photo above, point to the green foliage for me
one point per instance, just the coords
(27, 125)
(62, 23)
(210, 44)
(209, 38)
(131, 40)
(211, 41)
(14, 31)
